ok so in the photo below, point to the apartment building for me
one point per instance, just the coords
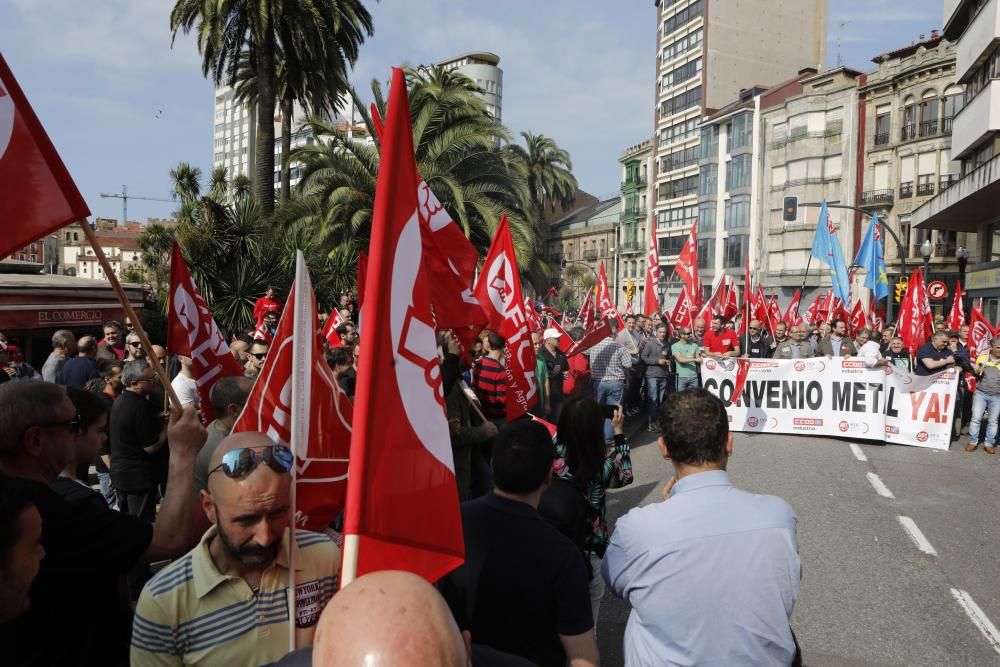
(636, 215)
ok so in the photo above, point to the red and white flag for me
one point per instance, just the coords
(876, 316)
(402, 499)
(687, 268)
(714, 306)
(587, 315)
(38, 196)
(773, 312)
(742, 372)
(329, 332)
(792, 317)
(605, 305)
(682, 315)
(565, 342)
(812, 312)
(980, 334)
(261, 332)
(591, 337)
(915, 321)
(296, 401)
(192, 332)
(499, 291)
(859, 318)
(731, 304)
(628, 308)
(650, 303)
(956, 318)
(534, 321)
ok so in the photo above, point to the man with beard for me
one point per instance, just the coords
(225, 602)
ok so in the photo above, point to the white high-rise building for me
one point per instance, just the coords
(482, 67)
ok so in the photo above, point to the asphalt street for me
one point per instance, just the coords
(898, 545)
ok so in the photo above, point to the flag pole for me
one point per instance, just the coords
(129, 311)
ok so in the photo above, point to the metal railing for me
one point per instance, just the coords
(945, 249)
(590, 255)
(876, 197)
(908, 132)
(929, 128)
(946, 123)
(632, 246)
(881, 138)
(906, 190)
(925, 189)
(949, 180)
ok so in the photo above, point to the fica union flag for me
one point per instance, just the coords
(871, 257)
(826, 248)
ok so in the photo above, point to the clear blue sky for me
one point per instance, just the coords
(121, 106)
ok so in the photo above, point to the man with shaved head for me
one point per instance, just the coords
(225, 602)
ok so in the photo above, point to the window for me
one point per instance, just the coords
(778, 177)
(679, 216)
(797, 126)
(706, 216)
(737, 212)
(679, 131)
(683, 17)
(685, 72)
(929, 114)
(706, 253)
(951, 104)
(834, 121)
(672, 245)
(681, 187)
(740, 133)
(681, 45)
(680, 159)
(733, 251)
(738, 172)
(708, 179)
(883, 119)
(681, 102)
(909, 119)
(832, 168)
(709, 142)
(779, 134)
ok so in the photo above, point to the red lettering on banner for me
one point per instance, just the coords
(916, 399)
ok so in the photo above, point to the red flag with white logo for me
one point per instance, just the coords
(650, 302)
(591, 337)
(297, 401)
(682, 315)
(715, 305)
(742, 372)
(628, 308)
(586, 315)
(774, 312)
(261, 332)
(980, 334)
(605, 305)
(956, 318)
(915, 320)
(791, 317)
(192, 332)
(859, 318)
(687, 268)
(876, 316)
(38, 195)
(565, 342)
(812, 313)
(402, 499)
(499, 292)
(534, 321)
(731, 305)
(329, 332)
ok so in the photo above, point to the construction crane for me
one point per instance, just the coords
(125, 196)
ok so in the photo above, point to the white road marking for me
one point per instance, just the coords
(858, 453)
(978, 618)
(917, 535)
(880, 486)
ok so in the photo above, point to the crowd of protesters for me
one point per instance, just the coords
(209, 510)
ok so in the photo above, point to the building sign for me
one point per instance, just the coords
(58, 316)
(987, 279)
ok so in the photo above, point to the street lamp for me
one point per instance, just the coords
(925, 251)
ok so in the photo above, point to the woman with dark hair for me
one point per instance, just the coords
(583, 456)
(91, 433)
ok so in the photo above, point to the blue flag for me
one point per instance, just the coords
(826, 248)
(871, 257)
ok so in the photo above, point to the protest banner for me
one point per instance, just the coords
(837, 397)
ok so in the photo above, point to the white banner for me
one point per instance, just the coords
(837, 397)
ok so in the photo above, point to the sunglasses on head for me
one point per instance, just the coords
(239, 463)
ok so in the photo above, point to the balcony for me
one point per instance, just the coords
(640, 182)
(946, 124)
(925, 189)
(637, 213)
(882, 138)
(909, 132)
(945, 249)
(929, 128)
(590, 255)
(876, 197)
(906, 190)
(632, 246)
(948, 180)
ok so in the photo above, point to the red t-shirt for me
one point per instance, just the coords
(720, 343)
(264, 306)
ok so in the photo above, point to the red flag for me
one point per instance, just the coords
(682, 315)
(687, 268)
(812, 313)
(731, 305)
(313, 415)
(261, 333)
(746, 312)
(605, 305)
(742, 371)
(773, 312)
(859, 318)
(499, 292)
(591, 337)
(38, 196)
(980, 334)
(329, 332)
(876, 316)
(628, 308)
(650, 302)
(792, 317)
(565, 342)
(915, 322)
(715, 304)
(402, 498)
(587, 310)
(956, 318)
(534, 321)
(192, 332)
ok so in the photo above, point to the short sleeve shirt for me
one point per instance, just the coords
(134, 425)
(989, 383)
(928, 351)
(721, 343)
(689, 351)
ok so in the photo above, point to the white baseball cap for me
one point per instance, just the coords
(551, 333)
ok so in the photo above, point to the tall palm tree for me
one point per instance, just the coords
(304, 31)
(549, 171)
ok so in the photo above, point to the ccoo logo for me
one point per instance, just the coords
(710, 364)
(843, 426)
(752, 422)
(922, 436)
(800, 366)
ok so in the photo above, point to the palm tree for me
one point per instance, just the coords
(301, 31)
(549, 172)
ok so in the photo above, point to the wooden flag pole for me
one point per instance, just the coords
(123, 298)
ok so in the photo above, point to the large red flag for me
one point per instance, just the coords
(683, 315)
(604, 303)
(499, 292)
(591, 337)
(715, 305)
(876, 316)
(687, 268)
(774, 312)
(587, 310)
(731, 305)
(38, 195)
(812, 313)
(746, 311)
(859, 318)
(192, 332)
(402, 498)
(956, 318)
(311, 414)
(792, 317)
(915, 320)
(650, 302)
(534, 321)
(980, 334)
(742, 372)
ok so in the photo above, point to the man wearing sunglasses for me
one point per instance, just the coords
(227, 598)
(255, 359)
(88, 548)
(754, 342)
(133, 348)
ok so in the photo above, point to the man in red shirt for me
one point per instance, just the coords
(267, 304)
(720, 341)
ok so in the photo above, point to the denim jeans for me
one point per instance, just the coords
(687, 383)
(980, 403)
(609, 393)
(108, 491)
(656, 389)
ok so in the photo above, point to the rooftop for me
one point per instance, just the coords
(902, 52)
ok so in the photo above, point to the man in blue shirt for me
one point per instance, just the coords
(712, 573)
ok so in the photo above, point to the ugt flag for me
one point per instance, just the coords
(826, 248)
(402, 499)
(38, 195)
(871, 257)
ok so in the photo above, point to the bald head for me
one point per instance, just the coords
(385, 619)
(243, 440)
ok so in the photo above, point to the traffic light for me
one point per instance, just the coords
(901, 287)
(791, 210)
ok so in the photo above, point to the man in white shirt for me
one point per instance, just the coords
(185, 385)
(869, 350)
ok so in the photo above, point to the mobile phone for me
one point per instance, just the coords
(608, 410)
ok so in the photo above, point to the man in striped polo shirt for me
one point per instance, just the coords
(226, 601)
(489, 379)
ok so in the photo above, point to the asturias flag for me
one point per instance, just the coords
(871, 257)
(826, 248)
